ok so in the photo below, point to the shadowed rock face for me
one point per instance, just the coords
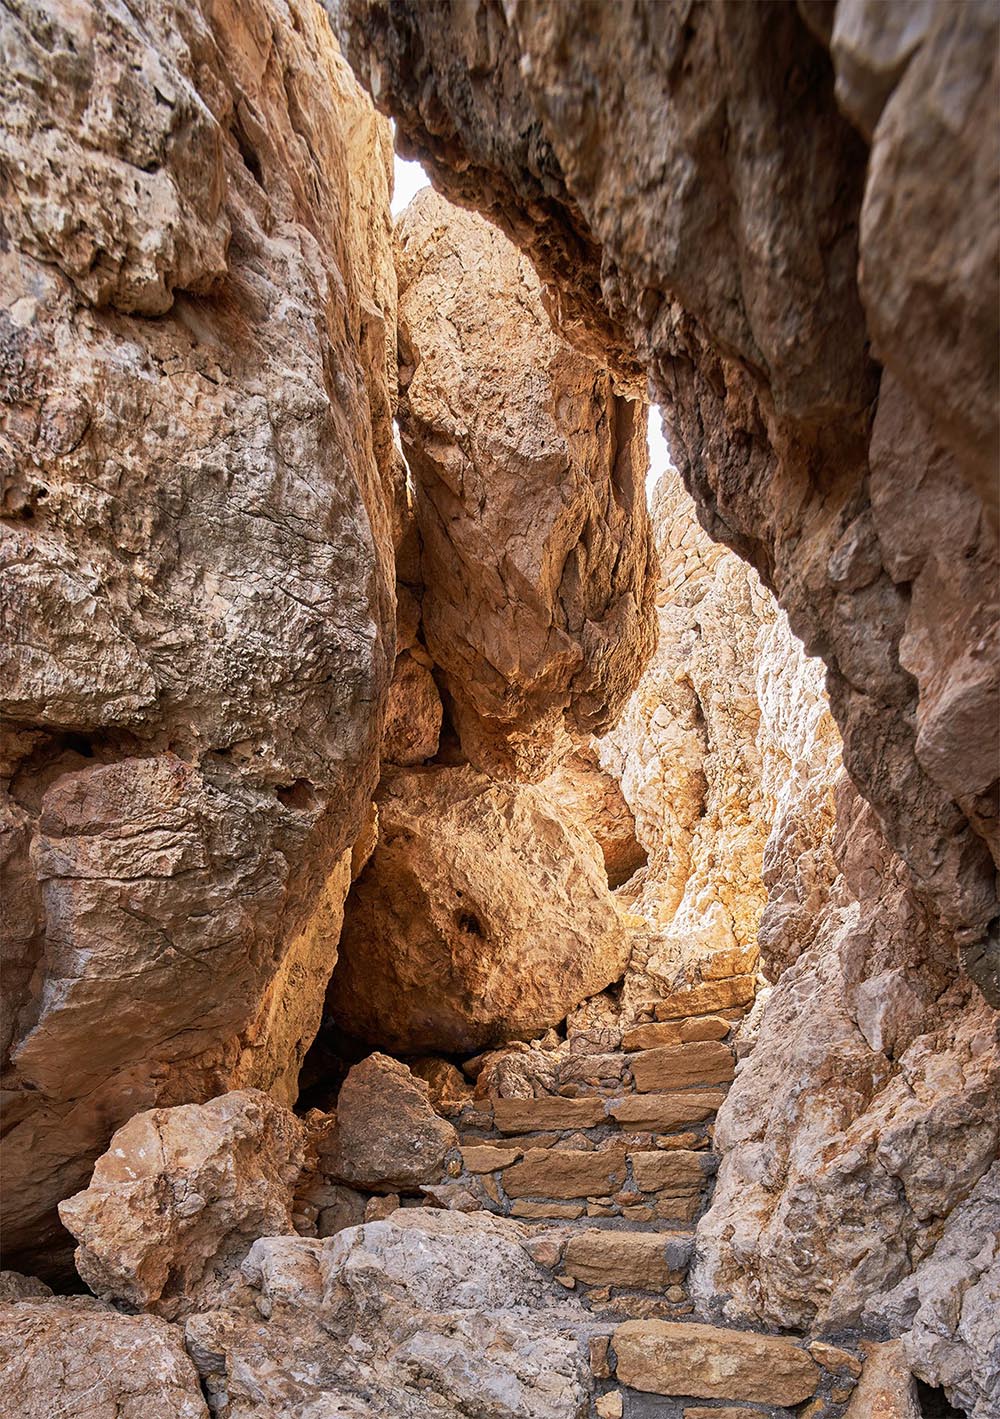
(481, 917)
(697, 203)
(197, 556)
(528, 473)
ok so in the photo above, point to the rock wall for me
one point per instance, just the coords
(536, 566)
(715, 198)
(727, 756)
(197, 344)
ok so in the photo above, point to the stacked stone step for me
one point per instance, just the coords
(614, 1177)
(611, 1176)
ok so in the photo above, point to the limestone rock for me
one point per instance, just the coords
(388, 1137)
(677, 1066)
(648, 1260)
(73, 1357)
(430, 1315)
(528, 475)
(607, 153)
(180, 1196)
(15, 1287)
(413, 714)
(887, 1390)
(586, 792)
(705, 1362)
(197, 555)
(947, 1309)
(552, 1172)
(864, 1116)
(481, 917)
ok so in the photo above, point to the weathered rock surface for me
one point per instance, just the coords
(181, 1195)
(481, 917)
(695, 198)
(197, 552)
(388, 1137)
(727, 756)
(413, 715)
(864, 1115)
(431, 1315)
(887, 1390)
(528, 495)
(73, 1357)
(581, 789)
(947, 1310)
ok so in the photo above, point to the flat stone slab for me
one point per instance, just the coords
(676, 1032)
(644, 1260)
(711, 1362)
(706, 997)
(659, 1113)
(550, 1111)
(678, 1066)
(677, 1171)
(563, 1172)
(484, 1158)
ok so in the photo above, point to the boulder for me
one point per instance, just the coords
(388, 1137)
(199, 304)
(73, 1357)
(413, 714)
(180, 1196)
(528, 493)
(481, 917)
(428, 1313)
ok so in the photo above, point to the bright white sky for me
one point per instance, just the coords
(410, 178)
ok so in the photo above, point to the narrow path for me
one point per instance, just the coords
(611, 1174)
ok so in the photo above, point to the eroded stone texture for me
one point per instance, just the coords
(947, 1310)
(197, 552)
(388, 1137)
(528, 495)
(703, 213)
(73, 1357)
(727, 756)
(430, 1315)
(181, 1195)
(481, 917)
(864, 1115)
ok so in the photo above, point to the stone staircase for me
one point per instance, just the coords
(610, 1175)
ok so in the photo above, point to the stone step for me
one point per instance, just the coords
(638, 1260)
(711, 1362)
(680, 1066)
(676, 1032)
(661, 1113)
(564, 1173)
(550, 1111)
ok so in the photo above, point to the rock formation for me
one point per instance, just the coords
(481, 917)
(708, 217)
(528, 496)
(388, 1138)
(689, 962)
(181, 1195)
(427, 1314)
(197, 552)
(73, 1356)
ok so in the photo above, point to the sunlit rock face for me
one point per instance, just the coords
(198, 558)
(727, 756)
(528, 477)
(713, 216)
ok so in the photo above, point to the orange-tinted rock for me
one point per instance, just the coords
(641, 1260)
(481, 917)
(555, 1172)
(707, 1362)
(388, 1137)
(528, 492)
(677, 1066)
